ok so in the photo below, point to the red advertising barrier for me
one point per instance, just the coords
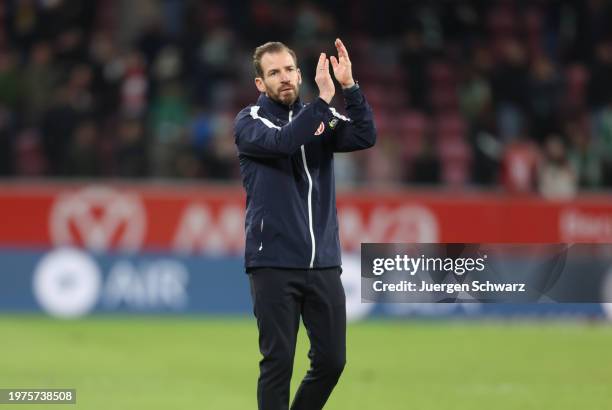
(209, 219)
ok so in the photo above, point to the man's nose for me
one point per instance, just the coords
(284, 77)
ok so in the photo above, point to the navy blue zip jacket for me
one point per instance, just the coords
(286, 160)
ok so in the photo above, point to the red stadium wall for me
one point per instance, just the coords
(209, 219)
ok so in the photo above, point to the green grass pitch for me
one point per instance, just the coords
(141, 363)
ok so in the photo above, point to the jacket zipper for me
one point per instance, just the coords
(261, 235)
(312, 237)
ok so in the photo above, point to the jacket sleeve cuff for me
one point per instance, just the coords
(320, 106)
(348, 91)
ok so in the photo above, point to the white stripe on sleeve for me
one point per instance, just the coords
(267, 122)
(338, 115)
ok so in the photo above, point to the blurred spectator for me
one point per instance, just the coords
(130, 150)
(108, 69)
(603, 141)
(510, 90)
(584, 156)
(519, 166)
(152, 40)
(219, 161)
(474, 94)
(426, 168)
(201, 129)
(545, 93)
(134, 86)
(168, 121)
(383, 166)
(79, 89)
(40, 78)
(82, 158)
(600, 78)
(592, 23)
(415, 58)
(29, 157)
(216, 53)
(11, 81)
(57, 126)
(23, 22)
(312, 25)
(71, 47)
(556, 176)
(487, 153)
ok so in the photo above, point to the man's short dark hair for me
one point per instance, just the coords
(269, 47)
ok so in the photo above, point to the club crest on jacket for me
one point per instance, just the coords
(320, 130)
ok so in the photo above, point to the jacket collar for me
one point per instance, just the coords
(277, 109)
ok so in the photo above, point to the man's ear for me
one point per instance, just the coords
(299, 73)
(261, 86)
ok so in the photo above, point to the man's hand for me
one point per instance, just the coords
(324, 80)
(342, 66)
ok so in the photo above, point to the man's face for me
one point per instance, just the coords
(281, 78)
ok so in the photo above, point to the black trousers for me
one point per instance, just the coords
(280, 297)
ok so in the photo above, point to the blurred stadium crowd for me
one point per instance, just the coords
(508, 94)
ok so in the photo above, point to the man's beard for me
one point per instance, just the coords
(285, 97)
